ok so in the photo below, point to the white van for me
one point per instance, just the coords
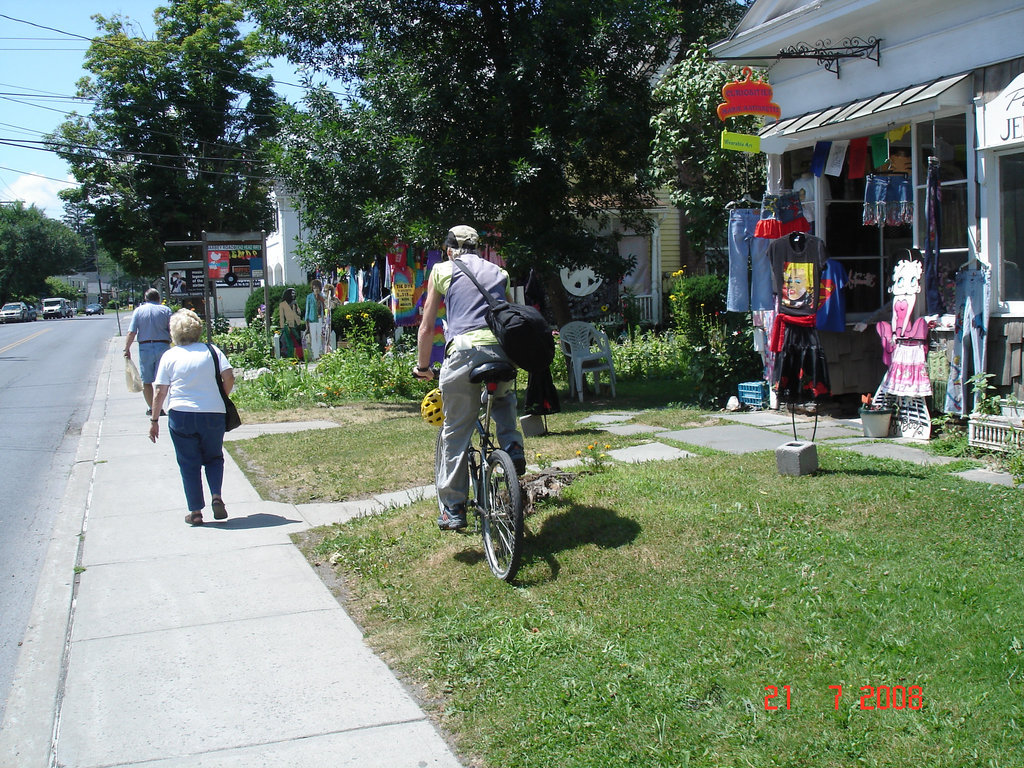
(57, 308)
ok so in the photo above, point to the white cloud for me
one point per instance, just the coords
(41, 192)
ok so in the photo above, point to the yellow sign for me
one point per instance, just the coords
(740, 142)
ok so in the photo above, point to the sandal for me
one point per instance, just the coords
(220, 512)
(194, 518)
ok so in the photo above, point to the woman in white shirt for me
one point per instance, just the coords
(187, 381)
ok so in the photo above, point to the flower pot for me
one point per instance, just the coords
(876, 423)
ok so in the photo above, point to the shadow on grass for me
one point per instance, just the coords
(569, 529)
(573, 527)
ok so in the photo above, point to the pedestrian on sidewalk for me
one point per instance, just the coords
(187, 381)
(150, 323)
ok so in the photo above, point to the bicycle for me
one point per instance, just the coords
(495, 496)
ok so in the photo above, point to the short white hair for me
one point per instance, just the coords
(186, 327)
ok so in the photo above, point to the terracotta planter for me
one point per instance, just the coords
(876, 423)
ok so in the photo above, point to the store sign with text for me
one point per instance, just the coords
(234, 264)
(1004, 116)
(750, 96)
(740, 142)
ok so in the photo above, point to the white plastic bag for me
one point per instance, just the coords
(132, 379)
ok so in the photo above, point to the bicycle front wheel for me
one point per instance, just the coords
(503, 517)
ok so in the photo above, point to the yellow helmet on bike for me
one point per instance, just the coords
(431, 408)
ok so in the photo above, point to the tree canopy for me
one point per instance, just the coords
(526, 118)
(32, 248)
(687, 156)
(172, 145)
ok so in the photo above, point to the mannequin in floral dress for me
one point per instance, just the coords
(904, 351)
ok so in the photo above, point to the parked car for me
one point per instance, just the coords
(14, 312)
(57, 308)
(94, 309)
(33, 313)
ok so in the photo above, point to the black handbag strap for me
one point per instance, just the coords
(491, 302)
(216, 367)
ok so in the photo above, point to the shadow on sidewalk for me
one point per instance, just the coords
(249, 521)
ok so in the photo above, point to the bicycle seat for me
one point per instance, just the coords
(492, 371)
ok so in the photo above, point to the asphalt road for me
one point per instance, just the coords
(48, 373)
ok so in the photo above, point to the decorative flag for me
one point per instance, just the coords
(879, 150)
(858, 156)
(836, 157)
(821, 151)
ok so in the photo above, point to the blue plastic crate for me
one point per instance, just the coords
(754, 394)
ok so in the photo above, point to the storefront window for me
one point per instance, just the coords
(1011, 196)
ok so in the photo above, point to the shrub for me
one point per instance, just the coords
(725, 359)
(693, 299)
(353, 318)
(246, 348)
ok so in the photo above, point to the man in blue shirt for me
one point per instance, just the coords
(151, 324)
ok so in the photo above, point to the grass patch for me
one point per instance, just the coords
(656, 601)
(383, 447)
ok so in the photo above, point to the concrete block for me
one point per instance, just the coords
(533, 426)
(797, 458)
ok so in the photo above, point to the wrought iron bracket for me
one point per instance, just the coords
(829, 56)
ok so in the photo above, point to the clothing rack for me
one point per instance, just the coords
(792, 415)
(742, 201)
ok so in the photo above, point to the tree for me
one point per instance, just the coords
(172, 145)
(530, 117)
(32, 248)
(687, 156)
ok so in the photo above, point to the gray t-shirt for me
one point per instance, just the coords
(151, 322)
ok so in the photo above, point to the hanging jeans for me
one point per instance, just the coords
(972, 294)
(750, 287)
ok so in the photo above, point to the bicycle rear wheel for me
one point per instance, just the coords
(502, 517)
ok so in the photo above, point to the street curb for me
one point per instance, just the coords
(29, 727)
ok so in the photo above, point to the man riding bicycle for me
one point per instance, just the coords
(468, 343)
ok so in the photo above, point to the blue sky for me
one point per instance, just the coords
(37, 66)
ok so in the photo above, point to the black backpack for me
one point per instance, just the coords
(522, 331)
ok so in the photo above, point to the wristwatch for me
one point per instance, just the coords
(422, 369)
(154, 421)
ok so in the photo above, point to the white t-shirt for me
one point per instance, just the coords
(188, 371)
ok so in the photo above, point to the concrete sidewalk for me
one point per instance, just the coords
(151, 642)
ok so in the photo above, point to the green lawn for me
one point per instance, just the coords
(656, 602)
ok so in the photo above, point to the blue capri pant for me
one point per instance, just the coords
(198, 439)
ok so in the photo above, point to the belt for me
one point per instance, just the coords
(156, 341)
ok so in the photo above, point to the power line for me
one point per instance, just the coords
(136, 40)
(37, 175)
(25, 144)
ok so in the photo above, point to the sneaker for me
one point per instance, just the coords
(515, 452)
(453, 519)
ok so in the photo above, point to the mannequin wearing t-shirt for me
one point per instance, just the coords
(801, 373)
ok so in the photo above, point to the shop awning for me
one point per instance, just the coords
(897, 106)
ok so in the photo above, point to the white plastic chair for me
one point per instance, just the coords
(588, 351)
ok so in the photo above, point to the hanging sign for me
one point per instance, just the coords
(748, 97)
(741, 142)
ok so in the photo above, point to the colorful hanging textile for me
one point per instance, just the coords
(888, 201)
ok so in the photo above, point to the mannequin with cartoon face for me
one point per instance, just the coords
(904, 339)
